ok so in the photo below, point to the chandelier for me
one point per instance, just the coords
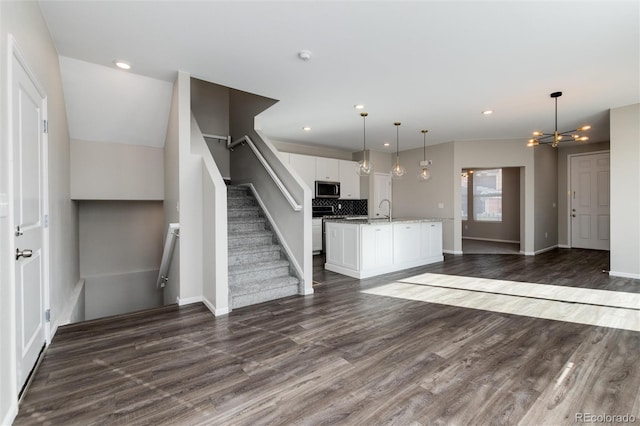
(556, 137)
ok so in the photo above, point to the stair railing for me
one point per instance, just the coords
(285, 192)
(173, 233)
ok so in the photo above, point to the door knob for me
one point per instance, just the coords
(573, 215)
(23, 253)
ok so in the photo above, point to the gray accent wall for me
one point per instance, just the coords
(116, 171)
(412, 198)
(24, 21)
(545, 198)
(120, 250)
(210, 107)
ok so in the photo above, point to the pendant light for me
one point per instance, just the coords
(425, 174)
(364, 165)
(397, 171)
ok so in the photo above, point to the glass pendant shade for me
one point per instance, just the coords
(397, 171)
(424, 174)
(364, 165)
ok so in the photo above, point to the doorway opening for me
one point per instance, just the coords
(490, 209)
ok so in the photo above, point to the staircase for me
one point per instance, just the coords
(258, 268)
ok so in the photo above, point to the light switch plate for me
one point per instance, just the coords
(441, 205)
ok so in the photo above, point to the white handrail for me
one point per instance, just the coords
(173, 232)
(287, 195)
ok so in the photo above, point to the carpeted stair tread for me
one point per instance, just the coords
(263, 286)
(241, 269)
(253, 249)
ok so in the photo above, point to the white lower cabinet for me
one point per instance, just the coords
(406, 242)
(316, 235)
(430, 239)
(367, 250)
(343, 245)
(377, 246)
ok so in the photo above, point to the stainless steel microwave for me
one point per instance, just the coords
(327, 189)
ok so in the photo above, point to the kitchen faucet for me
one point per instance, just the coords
(388, 201)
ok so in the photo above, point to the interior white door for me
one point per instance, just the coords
(381, 190)
(590, 201)
(28, 110)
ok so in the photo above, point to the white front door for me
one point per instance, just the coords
(27, 133)
(589, 198)
(381, 190)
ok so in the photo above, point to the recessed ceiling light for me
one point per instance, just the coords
(122, 65)
(359, 106)
(386, 144)
(488, 112)
(306, 128)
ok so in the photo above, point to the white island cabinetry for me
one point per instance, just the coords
(363, 248)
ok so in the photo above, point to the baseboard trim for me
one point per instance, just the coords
(452, 251)
(555, 246)
(563, 246)
(624, 275)
(11, 414)
(491, 239)
(188, 300)
(212, 308)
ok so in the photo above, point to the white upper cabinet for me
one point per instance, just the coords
(327, 169)
(305, 166)
(349, 180)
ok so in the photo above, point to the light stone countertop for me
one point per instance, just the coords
(370, 221)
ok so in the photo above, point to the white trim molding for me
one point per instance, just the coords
(624, 275)
(212, 308)
(188, 300)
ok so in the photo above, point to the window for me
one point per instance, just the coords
(464, 191)
(487, 195)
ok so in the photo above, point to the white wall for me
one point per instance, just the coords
(24, 21)
(114, 171)
(172, 195)
(215, 273)
(625, 191)
(190, 187)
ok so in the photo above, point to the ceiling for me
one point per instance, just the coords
(429, 64)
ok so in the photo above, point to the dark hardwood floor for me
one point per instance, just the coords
(344, 357)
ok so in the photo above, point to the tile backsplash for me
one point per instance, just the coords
(347, 207)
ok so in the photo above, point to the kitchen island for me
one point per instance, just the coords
(363, 248)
